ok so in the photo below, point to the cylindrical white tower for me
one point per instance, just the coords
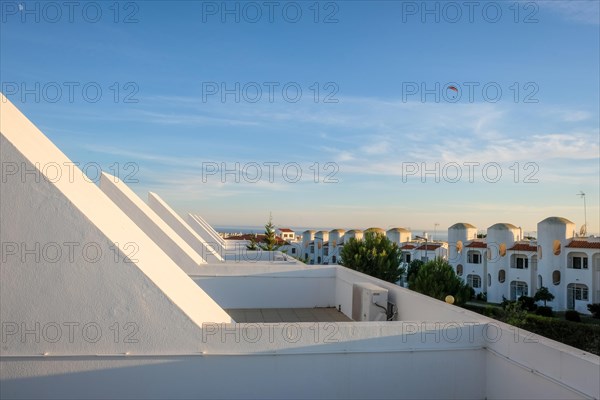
(554, 233)
(353, 234)
(398, 235)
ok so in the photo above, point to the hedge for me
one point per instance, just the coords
(585, 337)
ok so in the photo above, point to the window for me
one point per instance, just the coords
(306, 255)
(556, 277)
(407, 257)
(489, 280)
(579, 263)
(319, 260)
(556, 247)
(459, 270)
(293, 250)
(502, 249)
(474, 257)
(521, 263)
(578, 291)
(334, 259)
(474, 281)
(501, 276)
(518, 289)
(312, 248)
(539, 281)
(326, 251)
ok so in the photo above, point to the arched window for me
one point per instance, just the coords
(556, 277)
(577, 291)
(502, 249)
(539, 281)
(474, 281)
(489, 280)
(518, 289)
(556, 247)
(459, 270)
(501, 276)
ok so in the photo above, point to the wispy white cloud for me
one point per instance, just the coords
(581, 11)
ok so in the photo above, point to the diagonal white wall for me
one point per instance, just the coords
(208, 228)
(204, 234)
(71, 258)
(205, 249)
(157, 229)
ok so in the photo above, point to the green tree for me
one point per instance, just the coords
(269, 242)
(413, 269)
(543, 294)
(375, 255)
(252, 245)
(437, 279)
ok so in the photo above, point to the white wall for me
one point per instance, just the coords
(205, 249)
(300, 360)
(161, 233)
(81, 262)
(266, 286)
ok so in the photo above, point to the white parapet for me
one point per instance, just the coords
(205, 249)
(157, 229)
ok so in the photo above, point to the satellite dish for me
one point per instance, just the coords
(583, 230)
(459, 246)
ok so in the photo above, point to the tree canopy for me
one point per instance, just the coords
(543, 294)
(374, 255)
(269, 242)
(437, 279)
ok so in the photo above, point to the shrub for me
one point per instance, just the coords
(544, 311)
(481, 296)
(514, 314)
(528, 303)
(471, 293)
(594, 309)
(572, 315)
(582, 336)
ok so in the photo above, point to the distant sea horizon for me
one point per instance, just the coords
(245, 229)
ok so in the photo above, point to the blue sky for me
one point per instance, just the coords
(370, 125)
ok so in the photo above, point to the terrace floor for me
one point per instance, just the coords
(265, 315)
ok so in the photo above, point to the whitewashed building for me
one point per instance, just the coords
(91, 306)
(504, 265)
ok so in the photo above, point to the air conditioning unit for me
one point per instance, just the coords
(369, 302)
